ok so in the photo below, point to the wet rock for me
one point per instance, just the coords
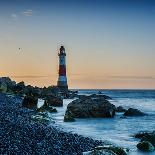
(69, 117)
(41, 118)
(90, 108)
(141, 134)
(150, 137)
(134, 112)
(19, 88)
(71, 94)
(3, 88)
(10, 84)
(30, 102)
(45, 108)
(54, 101)
(116, 150)
(145, 146)
(120, 109)
(107, 150)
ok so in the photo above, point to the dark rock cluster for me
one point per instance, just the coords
(9, 86)
(147, 142)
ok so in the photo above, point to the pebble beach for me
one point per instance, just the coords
(19, 134)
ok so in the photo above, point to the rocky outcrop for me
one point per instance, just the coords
(11, 87)
(90, 108)
(134, 112)
(30, 102)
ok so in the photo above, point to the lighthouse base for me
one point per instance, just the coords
(62, 85)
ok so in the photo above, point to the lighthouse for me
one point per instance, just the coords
(62, 79)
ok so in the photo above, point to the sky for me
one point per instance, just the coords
(109, 44)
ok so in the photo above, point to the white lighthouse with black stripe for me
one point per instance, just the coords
(62, 80)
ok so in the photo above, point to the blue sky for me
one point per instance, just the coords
(109, 43)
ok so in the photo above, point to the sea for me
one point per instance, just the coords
(115, 130)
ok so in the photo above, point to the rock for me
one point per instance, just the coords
(50, 91)
(68, 117)
(46, 108)
(71, 94)
(107, 150)
(118, 150)
(141, 134)
(41, 118)
(145, 146)
(90, 108)
(35, 91)
(150, 137)
(120, 109)
(54, 101)
(30, 102)
(6, 84)
(19, 88)
(134, 112)
(3, 87)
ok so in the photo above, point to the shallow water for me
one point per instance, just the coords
(115, 130)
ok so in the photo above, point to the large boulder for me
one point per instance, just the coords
(134, 112)
(145, 146)
(30, 102)
(90, 108)
(54, 101)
